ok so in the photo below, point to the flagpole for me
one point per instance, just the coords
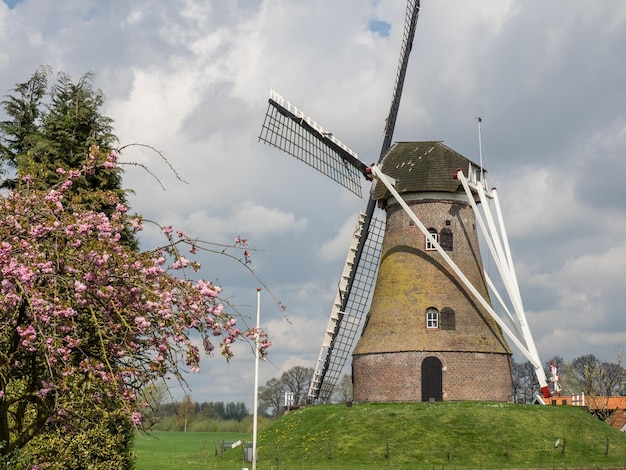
(256, 377)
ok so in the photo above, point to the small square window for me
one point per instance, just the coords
(429, 245)
(432, 319)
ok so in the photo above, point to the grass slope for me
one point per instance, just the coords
(459, 434)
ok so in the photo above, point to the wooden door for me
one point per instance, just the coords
(432, 379)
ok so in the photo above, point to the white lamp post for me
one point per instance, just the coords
(256, 377)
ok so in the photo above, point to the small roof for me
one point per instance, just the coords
(423, 167)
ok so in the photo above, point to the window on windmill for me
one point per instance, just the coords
(430, 246)
(447, 320)
(445, 239)
(432, 318)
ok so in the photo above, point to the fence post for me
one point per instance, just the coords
(330, 451)
(563, 449)
(387, 450)
(449, 451)
(506, 449)
(606, 452)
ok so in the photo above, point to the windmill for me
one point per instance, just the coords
(431, 332)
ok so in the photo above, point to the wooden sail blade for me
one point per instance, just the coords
(287, 128)
(332, 359)
(347, 314)
(410, 25)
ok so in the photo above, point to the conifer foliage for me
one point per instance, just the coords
(54, 126)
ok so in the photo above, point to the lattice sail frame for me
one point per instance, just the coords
(345, 325)
(290, 130)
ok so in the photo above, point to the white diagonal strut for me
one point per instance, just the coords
(497, 241)
(524, 342)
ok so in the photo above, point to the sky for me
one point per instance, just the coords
(191, 78)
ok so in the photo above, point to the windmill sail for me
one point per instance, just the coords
(347, 312)
(289, 129)
(327, 381)
(410, 24)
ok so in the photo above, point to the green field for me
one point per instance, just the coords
(191, 450)
(464, 435)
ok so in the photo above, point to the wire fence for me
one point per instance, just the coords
(563, 454)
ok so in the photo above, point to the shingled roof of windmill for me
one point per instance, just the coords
(423, 167)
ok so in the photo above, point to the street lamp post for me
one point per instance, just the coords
(256, 377)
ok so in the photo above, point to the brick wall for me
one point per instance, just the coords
(396, 377)
(395, 340)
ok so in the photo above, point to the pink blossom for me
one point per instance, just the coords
(136, 224)
(181, 262)
(63, 270)
(136, 418)
(142, 323)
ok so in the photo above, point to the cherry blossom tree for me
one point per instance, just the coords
(86, 320)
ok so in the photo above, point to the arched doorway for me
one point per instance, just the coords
(432, 380)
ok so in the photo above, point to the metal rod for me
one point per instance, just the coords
(256, 376)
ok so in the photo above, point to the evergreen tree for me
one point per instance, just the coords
(57, 127)
(20, 134)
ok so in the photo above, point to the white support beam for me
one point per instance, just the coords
(529, 353)
(497, 241)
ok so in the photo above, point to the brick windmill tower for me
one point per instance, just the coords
(425, 336)
(429, 331)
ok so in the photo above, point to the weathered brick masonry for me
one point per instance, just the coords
(473, 356)
(396, 377)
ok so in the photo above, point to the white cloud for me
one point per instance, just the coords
(249, 219)
(337, 247)
(538, 200)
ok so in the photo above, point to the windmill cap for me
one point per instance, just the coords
(422, 167)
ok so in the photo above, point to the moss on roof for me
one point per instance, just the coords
(423, 167)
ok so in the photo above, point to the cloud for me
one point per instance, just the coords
(249, 218)
(337, 247)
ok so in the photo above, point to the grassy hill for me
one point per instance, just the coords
(428, 436)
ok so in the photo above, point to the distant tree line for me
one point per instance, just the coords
(294, 383)
(189, 415)
(583, 375)
(217, 410)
